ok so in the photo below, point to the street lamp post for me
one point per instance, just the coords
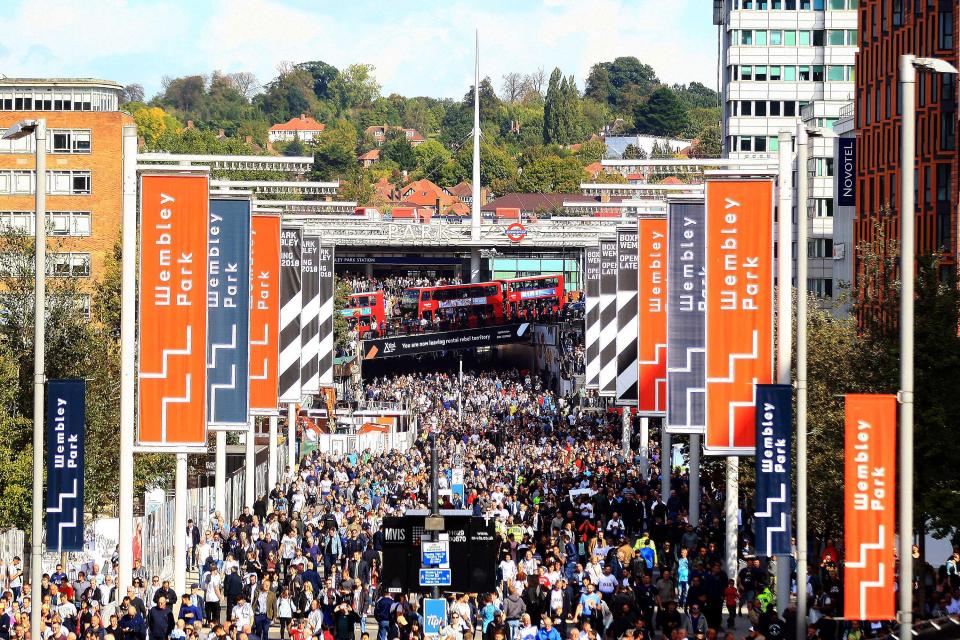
(802, 232)
(909, 65)
(39, 130)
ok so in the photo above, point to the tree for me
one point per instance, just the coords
(322, 73)
(336, 153)
(633, 152)
(708, 145)
(599, 86)
(592, 151)
(495, 163)
(356, 86)
(288, 95)
(489, 102)
(431, 158)
(152, 124)
(133, 93)
(294, 148)
(661, 115)
(697, 94)
(513, 87)
(552, 106)
(398, 149)
(245, 83)
(184, 93)
(535, 81)
(552, 174)
(456, 126)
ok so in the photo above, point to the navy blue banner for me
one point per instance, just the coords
(773, 502)
(846, 172)
(65, 422)
(228, 314)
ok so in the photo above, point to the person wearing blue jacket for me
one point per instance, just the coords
(546, 630)
(189, 612)
(132, 625)
(160, 620)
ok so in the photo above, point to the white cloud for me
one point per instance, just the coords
(419, 48)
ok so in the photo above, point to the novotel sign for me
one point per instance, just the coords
(847, 172)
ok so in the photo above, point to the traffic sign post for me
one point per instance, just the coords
(434, 616)
(435, 577)
(435, 554)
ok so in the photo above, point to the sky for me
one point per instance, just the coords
(419, 47)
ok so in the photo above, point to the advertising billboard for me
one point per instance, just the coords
(174, 217)
(739, 315)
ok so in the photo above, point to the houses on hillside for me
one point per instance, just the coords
(379, 134)
(303, 128)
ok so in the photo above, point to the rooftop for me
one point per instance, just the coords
(59, 82)
(302, 123)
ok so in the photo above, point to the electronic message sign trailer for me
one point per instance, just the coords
(472, 557)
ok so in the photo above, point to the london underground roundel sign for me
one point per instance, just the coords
(516, 232)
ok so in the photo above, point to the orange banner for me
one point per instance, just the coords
(173, 310)
(652, 344)
(264, 314)
(739, 314)
(870, 507)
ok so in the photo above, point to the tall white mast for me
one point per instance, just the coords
(475, 209)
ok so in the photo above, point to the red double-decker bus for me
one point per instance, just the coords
(534, 296)
(456, 306)
(365, 311)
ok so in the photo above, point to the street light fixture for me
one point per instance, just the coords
(909, 65)
(23, 129)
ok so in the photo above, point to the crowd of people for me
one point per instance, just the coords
(589, 548)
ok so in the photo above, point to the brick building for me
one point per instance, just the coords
(84, 168)
(889, 28)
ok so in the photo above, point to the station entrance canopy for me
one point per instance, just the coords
(406, 345)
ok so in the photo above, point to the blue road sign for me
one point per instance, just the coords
(435, 554)
(434, 577)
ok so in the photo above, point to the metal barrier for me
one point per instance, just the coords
(157, 531)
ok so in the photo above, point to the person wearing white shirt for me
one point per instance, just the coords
(594, 569)
(242, 613)
(607, 584)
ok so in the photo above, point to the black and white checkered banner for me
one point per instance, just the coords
(291, 241)
(591, 270)
(327, 287)
(627, 316)
(686, 325)
(608, 317)
(310, 316)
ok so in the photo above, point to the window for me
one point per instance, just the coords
(70, 265)
(818, 37)
(835, 73)
(820, 248)
(789, 108)
(70, 141)
(746, 143)
(760, 38)
(775, 107)
(760, 73)
(836, 37)
(746, 37)
(837, 5)
(945, 32)
(773, 143)
(746, 72)
(943, 183)
(59, 223)
(790, 73)
(776, 38)
(823, 208)
(760, 108)
(760, 143)
(803, 73)
(818, 73)
(803, 37)
(59, 99)
(790, 38)
(824, 166)
(776, 73)
(746, 108)
(820, 287)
